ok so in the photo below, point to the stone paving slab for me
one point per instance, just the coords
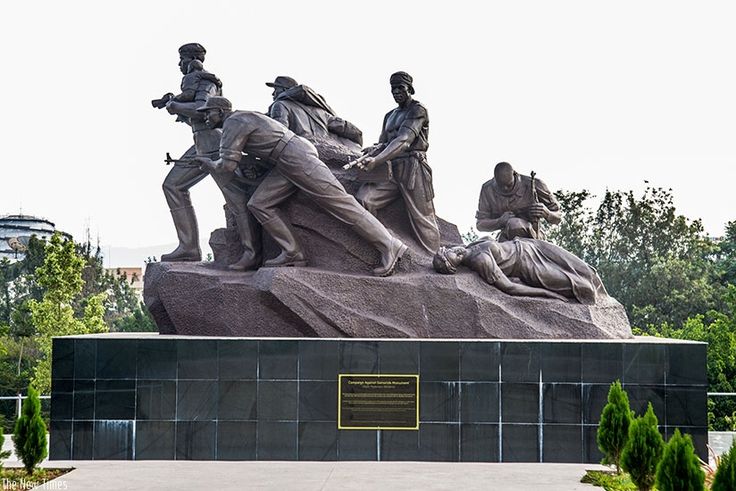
(317, 476)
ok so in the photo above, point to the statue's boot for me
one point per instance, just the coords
(188, 249)
(390, 247)
(291, 253)
(250, 237)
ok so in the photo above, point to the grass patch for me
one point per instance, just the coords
(16, 478)
(609, 480)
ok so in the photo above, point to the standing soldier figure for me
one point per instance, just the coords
(206, 143)
(404, 142)
(196, 89)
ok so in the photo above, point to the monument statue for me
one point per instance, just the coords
(196, 88)
(514, 204)
(296, 166)
(403, 145)
(306, 113)
(261, 164)
(526, 267)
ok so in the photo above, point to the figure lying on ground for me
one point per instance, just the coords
(526, 267)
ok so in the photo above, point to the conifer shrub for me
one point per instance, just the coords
(613, 429)
(29, 436)
(643, 450)
(679, 469)
(725, 475)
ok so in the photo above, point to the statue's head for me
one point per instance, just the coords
(188, 53)
(281, 84)
(402, 87)
(505, 176)
(215, 110)
(447, 259)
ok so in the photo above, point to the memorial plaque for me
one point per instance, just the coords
(378, 402)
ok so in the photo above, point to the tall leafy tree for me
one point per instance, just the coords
(727, 255)
(61, 276)
(657, 263)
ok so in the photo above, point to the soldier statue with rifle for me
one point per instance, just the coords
(196, 89)
(514, 205)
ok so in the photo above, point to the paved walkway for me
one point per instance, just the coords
(307, 476)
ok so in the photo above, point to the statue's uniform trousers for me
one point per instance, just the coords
(298, 167)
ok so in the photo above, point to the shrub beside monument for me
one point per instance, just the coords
(613, 430)
(643, 450)
(679, 469)
(725, 476)
(30, 433)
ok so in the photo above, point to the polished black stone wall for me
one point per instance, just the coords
(158, 397)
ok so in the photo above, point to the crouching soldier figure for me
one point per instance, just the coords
(295, 167)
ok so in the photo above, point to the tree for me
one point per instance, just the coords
(725, 477)
(643, 450)
(29, 436)
(613, 430)
(61, 276)
(679, 469)
(658, 264)
(727, 255)
(718, 329)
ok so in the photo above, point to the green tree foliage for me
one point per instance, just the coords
(643, 450)
(727, 254)
(613, 430)
(725, 477)
(718, 329)
(679, 469)
(29, 436)
(656, 263)
(61, 277)
(106, 301)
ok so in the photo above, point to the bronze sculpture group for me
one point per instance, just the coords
(260, 160)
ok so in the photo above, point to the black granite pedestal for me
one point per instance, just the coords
(118, 396)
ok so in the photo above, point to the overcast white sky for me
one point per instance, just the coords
(588, 94)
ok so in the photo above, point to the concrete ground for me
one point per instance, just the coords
(307, 476)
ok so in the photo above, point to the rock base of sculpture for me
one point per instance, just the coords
(148, 396)
(199, 299)
(336, 295)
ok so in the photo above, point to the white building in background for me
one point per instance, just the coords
(16, 231)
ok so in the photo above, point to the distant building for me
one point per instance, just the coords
(134, 277)
(16, 232)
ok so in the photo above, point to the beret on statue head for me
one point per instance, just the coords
(404, 78)
(193, 50)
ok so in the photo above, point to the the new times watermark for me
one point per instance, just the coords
(23, 484)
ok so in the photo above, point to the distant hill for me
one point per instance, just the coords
(119, 257)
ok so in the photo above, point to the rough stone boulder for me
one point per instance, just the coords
(199, 299)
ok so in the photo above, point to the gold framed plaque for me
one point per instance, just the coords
(377, 402)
